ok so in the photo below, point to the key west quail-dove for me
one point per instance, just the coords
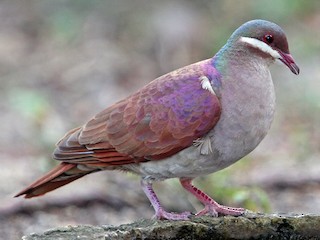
(190, 122)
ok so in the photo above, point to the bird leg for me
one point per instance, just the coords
(211, 207)
(160, 212)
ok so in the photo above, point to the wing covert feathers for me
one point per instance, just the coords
(164, 117)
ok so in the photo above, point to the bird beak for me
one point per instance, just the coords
(288, 60)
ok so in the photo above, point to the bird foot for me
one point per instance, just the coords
(162, 214)
(211, 207)
(214, 210)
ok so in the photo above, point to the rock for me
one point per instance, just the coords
(250, 226)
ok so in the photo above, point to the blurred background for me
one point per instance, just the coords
(61, 62)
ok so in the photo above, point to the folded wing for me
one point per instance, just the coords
(161, 119)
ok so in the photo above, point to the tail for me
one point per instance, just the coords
(63, 174)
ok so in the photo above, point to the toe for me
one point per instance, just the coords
(172, 216)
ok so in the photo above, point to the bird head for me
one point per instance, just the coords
(266, 38)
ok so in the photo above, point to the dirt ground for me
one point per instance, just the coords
(62, 62)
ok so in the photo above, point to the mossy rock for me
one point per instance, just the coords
(250, 226)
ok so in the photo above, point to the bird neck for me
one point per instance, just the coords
(235, 58)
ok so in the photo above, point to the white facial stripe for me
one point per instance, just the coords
(205, 84)
(261, 46)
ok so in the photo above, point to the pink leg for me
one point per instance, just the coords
(160, 212)
(211, 206)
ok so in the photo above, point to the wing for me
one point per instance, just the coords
(164, 117)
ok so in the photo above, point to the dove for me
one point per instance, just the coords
(188, 123)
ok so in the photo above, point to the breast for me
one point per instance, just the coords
(248, 106)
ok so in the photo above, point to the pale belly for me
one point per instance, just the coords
(191, 163)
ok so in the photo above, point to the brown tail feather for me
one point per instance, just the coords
(67, 173)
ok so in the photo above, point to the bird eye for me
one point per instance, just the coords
(268, 38)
